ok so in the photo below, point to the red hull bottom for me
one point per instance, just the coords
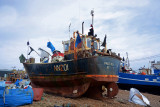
(74, 91)
(77, 85)
(67, 86)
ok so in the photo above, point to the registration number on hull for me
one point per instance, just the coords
(62, 67)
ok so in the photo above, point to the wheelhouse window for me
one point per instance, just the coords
(88, 42)
(66, 46)
(95, 45)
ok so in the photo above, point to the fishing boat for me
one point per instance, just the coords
(156, 67)
(146, 77)
(85, 69)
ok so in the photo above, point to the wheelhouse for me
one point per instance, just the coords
(87, 43)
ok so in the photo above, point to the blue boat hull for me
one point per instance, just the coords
(146, 80)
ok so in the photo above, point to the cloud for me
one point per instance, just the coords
(8, 16)
(127, 24)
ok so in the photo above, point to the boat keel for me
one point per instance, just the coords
(103, 91)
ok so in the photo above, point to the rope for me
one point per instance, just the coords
(145, 58)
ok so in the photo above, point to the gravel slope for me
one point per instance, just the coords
(121, 100)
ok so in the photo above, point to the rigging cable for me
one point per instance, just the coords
(154, 56)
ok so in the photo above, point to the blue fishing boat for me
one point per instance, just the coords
(145, 76)
(139, 79)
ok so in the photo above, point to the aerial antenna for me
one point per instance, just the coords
(82, 27)
(127, 60)
(92, 14)
(28, 48)
(69, 30)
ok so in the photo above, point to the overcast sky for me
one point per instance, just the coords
(131, 26)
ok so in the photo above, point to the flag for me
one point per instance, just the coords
(49, 45)
(44, 54)
(123, 59)
(28, 43)
(31, 50)
(78, 40)
(22, 58)
(104, 42)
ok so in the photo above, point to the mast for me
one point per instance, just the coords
(82, 28)
(92, 40)
(69, 30)
(127, 61)
(92, 14)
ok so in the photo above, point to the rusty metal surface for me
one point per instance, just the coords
(74, 91)
(67, 86)
(112, 89)
(96, 92)
(103, 78)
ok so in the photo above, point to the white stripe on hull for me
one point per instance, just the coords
(139, 80)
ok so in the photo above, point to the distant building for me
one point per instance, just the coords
(4, 71)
